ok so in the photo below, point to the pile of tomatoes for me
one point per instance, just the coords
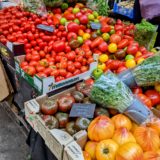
(68, 51)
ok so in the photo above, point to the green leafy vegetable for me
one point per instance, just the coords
(148, 72)
(110, 92)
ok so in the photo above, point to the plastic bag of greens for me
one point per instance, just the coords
(145, 34)
(53, 3)
(145, 74)
(110, 92)
(35, 6)
(101, 6)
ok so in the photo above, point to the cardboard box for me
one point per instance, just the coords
(48, 84)
(55, 139)
(5, 85)
(73, 152)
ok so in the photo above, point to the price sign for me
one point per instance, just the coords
(95, 25)
(82, 110)
(45, 27)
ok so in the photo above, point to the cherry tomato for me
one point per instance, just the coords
(137, 90)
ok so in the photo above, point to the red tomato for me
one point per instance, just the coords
(59, 46)
(71, 55)
(77, 65)
(69, 74)
(47, 71)
(40, 68)
(55, 73)
(35, 57)
(132, 49)
(41, 75)
(71, 36)
(59, 78)
(137, 90)
(103, 47)
(30, 70)
(83, 19)
(73, 27)
(24, 63)
(123, 43)
(145, 100)
(105, 28)
(58, 58)
(42, 54)
(76, 72)
(90, 60)
(79, 58)
(154, 96)
(84, 69)
(33, 63)
(115, 38)
(62, 72)
(69, 16)
(121, 69)
(71, 68)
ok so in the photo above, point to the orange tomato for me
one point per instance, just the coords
(86, 156)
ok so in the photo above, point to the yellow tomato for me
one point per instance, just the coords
(130, 63)
(138, 54)
(102, 66)
(86, 36)
(112, 48)
(105, 36)
(103, 58)
(140, 60)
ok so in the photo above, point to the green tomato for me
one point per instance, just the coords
(99, 32)
(91, 17)
(129, 57)
(95, 14)
(97, 73)
(63, 21)
(64, 6)
(75, 10)
(112, 31)
(106, 36)
(80, 39)
(77, 21)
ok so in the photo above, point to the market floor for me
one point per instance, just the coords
(12, 140)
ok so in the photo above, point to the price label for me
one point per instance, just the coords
(95, 25)
(45, 27)
(82, 110)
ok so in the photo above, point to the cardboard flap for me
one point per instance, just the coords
(62, 137)
(3, 83)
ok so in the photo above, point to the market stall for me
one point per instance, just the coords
(86, 83)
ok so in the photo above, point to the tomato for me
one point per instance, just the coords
(90, 60)
(69, 16)
(58, 46)
(71, 68)
(105, 28)
(42, 54)
(76, 72)
(118, 27)
(121, 69)
(71, 36)
(84, 69)
(103, 47)
(30, 70)
(33, 63)
(73, 27)
(62, 72)
(83, 19)
(24, 63)
(40, 68)
(96, 42)
(77, 65)
(69, 74)
(123, 43)
(132, 49)
(47, 71)
(154, 96)
(114, 38)
(79, 58)
(55, 73)
(59, 78)
(71, 55)
(137, 90)
(35, 57)
(145, 100)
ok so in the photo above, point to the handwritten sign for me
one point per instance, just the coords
(82, 110)
(45, 27)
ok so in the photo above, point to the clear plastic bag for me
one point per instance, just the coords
(111, 92)
(35, 6)
(145, 74)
